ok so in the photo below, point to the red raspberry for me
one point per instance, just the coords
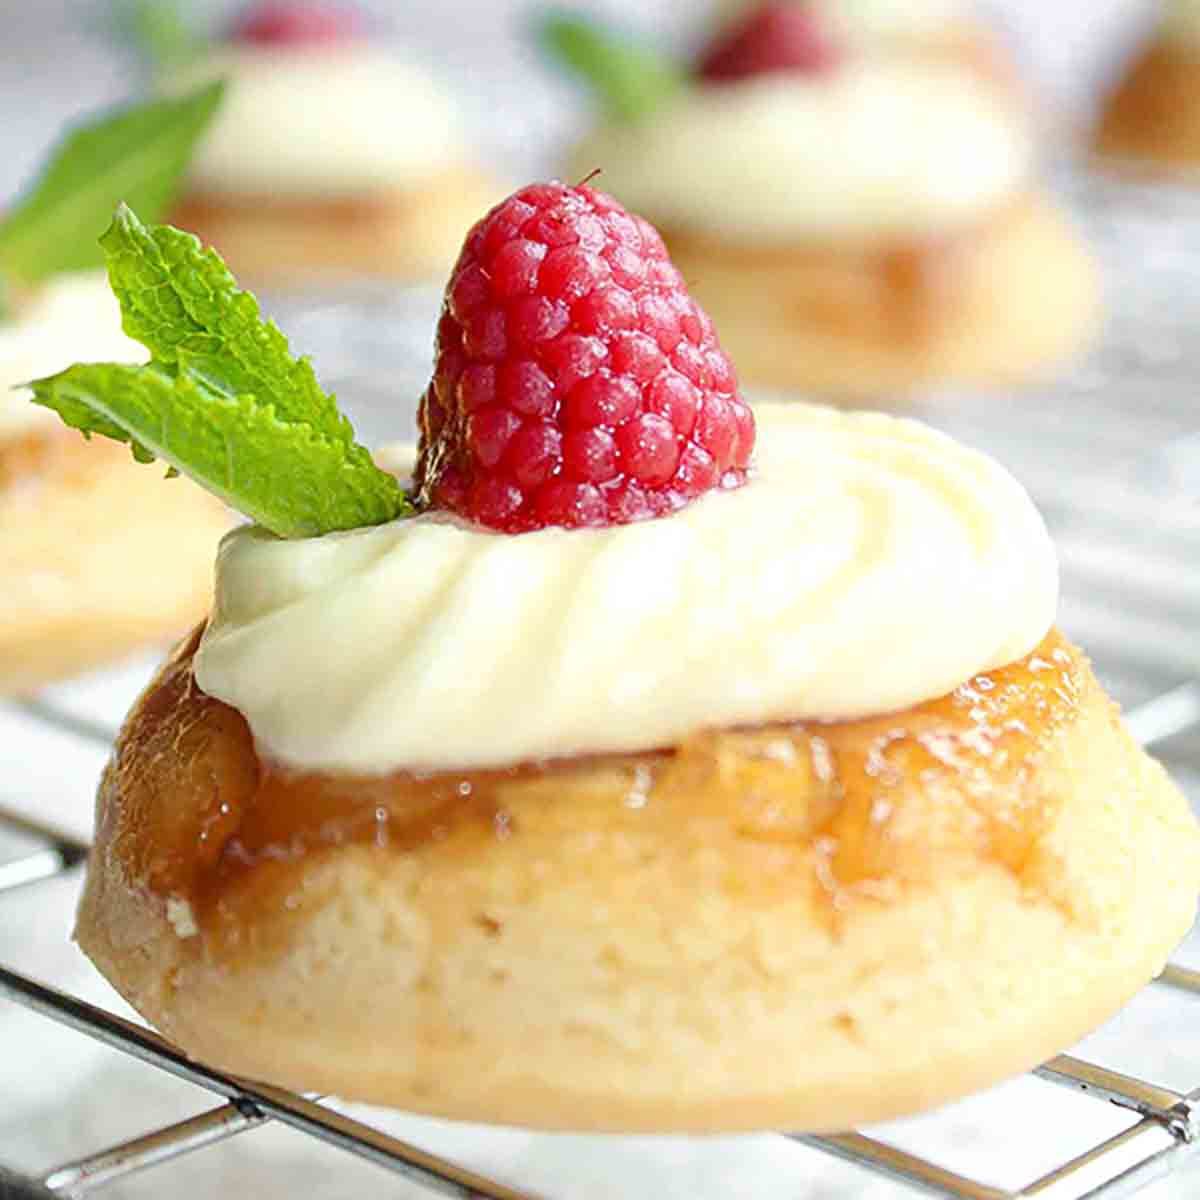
(774, 37)
(576, 381)
(297, 23)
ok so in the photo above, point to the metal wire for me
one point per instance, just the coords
(55, 853)
(1168, 1129)
(1163, 1105)
(161, 1146)
(257, 1099)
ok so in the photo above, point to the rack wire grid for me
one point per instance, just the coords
(1112, 455)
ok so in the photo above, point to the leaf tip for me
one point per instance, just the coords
(124, 216)
(124, 221)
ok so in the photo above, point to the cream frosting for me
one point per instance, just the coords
(72, 318)
(877, 147)
(870, 564)
(320, 122)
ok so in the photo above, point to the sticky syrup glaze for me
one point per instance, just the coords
(894, 291)
(1152, 115)
(841, 809)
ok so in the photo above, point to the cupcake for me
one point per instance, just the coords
(96, 557)
(1150, 123)
(650, 762)
(334, 152)
(855, 183)
(949, 27)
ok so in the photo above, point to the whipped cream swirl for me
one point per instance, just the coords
(71, 318)
(870, 564)
(320, 123)
(878, 147)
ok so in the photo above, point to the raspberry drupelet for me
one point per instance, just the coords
(576, 382)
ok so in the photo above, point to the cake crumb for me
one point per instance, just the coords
(181, 917)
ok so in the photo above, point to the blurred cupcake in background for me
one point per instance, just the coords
(334, 152)
(1150, 123)
(97, 558)
(949, 29)
(848, 188)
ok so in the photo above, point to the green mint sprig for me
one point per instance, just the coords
(222, 399)
(138, 154)
(631, 80)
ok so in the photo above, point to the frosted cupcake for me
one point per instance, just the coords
(856, 184)
(655, 763)
(333, 152)
(95, 559)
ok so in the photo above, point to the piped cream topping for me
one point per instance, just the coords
(870, 564)
(878, 147)
(321, 122)
(72, 318)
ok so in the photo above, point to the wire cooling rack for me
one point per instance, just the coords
(1168, 1127)
(1112, 455)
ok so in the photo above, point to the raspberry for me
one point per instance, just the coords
(774, 37)
(576, 382)
(297, 23)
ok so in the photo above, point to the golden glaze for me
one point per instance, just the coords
(892, 292)
(798, 927)
(1153, 116)
(846, 810)
(994, 302)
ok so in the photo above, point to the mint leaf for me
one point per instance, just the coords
(222, 399)
(284, 475)
(177, 299)
(138, 154)
(631, 80)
